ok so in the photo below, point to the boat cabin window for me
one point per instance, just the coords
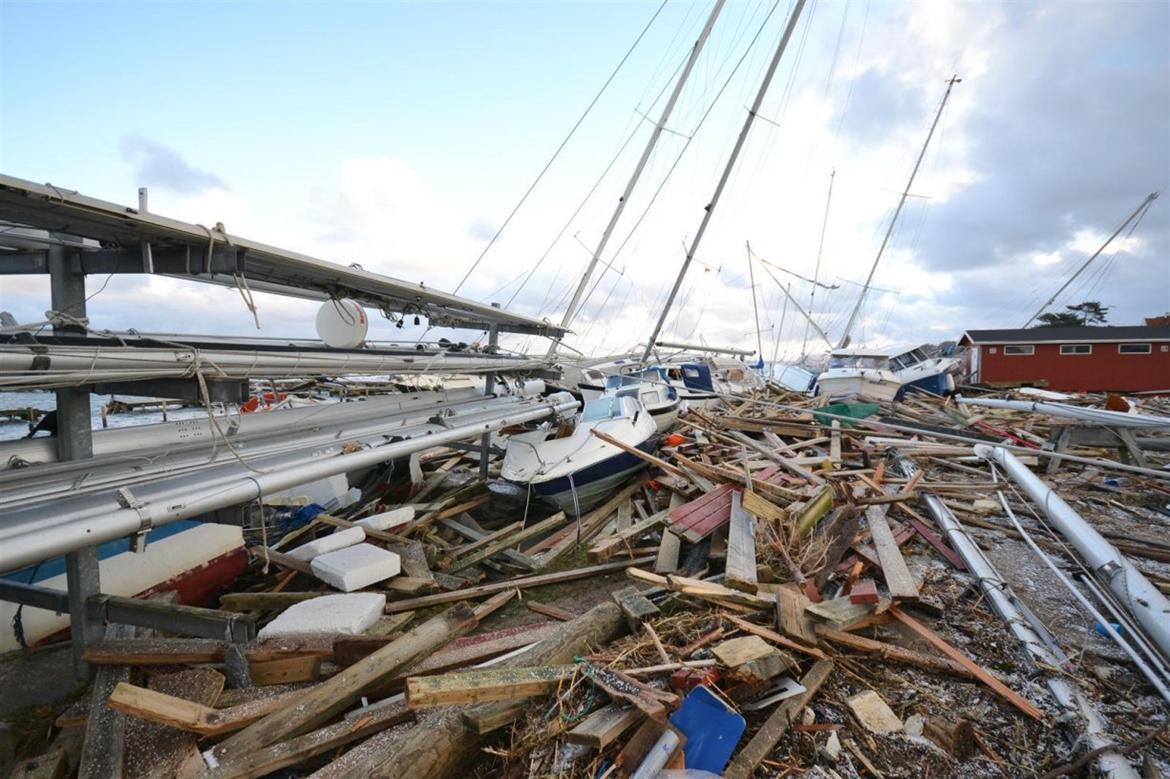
(602, 408)
(651, 397)
(859, 361)
(595, 375)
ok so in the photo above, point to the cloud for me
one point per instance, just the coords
(161, 166)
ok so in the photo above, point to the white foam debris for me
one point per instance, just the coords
(355, 567)
(328, 614)
(388, 519)
(329, 543)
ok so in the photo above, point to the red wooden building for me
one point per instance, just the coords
(1072, 359)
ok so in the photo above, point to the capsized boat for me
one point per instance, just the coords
(569, 467)
(652, 387)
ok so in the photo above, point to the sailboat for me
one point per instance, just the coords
(568, 467)
(870, 371)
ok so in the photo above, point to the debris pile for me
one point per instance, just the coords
(789, 589)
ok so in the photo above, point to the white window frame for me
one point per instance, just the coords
(1024, 350)
(1148, 350)
(1071, 350)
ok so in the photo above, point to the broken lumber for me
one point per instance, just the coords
(899, 580)
(601, 727)
(488, 684)
(320, 703)
(741, 548)
(191, 716)
(744, 764)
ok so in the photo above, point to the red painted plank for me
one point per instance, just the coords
(700, 517)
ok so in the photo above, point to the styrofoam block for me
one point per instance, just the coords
(328, 614)
(355, 567)
(329, 543)
(388, 519)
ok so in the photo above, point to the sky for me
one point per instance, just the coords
(401, 136)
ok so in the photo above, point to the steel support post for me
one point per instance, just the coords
(74, 442)
(489, 386)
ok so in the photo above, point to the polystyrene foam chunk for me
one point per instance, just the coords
(329, 543)
(355, 567)
(328, 614)
(389, 519)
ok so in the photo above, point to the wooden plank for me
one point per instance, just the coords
(510, 540)
(589, 525)
(898, 578)
(461, 527)
(320, 703)
(481, 686)
(894, 652)
(191, 716)
(841, 613)
(157, 751)
(979, 672)
(776, 638)
(554, 612)
(54, 764)
(741, 548)
(699, 518)
(264, 601)
(270, 555)
(790, 616)
(649, 458)
(285, 671)
(608, 546)
(179, 651)
(668, 550)
(603, 726)
(297, 750)
(519, 583)
(764, 508)
(755, 751)
(635, 606)
(103, 752)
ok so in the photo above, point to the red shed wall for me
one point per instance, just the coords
(1104, 369)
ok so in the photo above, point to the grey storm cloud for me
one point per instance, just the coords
(161, 166)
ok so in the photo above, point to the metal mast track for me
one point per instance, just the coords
(212, 255)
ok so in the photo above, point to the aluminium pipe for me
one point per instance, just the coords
(37, 544)
(1068, 696)
(1099, 415)
(1140, 597)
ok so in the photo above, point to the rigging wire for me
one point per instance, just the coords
(560, 148)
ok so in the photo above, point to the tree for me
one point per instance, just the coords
(1091, 312)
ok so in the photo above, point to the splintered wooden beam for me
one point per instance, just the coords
(297, 750)
(482, 686)
(601, 727)
(156, 751)
(519, 583)
(635, 606)
(191, 716)
(763, 508)
(103, 751)
(776, 638)
(766, 738)
(899, 580)
(610, 545)
(741, 548)
(894, 652)
(790, 606)
(977, 670)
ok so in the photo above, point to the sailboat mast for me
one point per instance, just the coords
(780, 330)
(755, 305)
(812, 295)
(739, 142)
(901, 202)
(1150, 198)
(667, 110)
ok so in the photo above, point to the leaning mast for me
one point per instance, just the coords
(901, 202)
(739, 142)
(571, 311)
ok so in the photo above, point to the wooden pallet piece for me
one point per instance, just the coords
(741, 547)
(482, 686)
(899, 580)
(603, 726)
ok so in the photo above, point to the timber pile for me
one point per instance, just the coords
(768, 599)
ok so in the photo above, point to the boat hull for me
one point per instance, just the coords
(879, 385)
(593, 484)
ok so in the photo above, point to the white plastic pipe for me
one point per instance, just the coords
(1139, 596)
(1099, 415)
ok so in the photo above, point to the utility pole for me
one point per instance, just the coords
(901, 202)
(667, 110)
(731, 160)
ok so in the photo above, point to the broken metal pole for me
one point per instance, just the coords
(1136, 593)
(1018, 620)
